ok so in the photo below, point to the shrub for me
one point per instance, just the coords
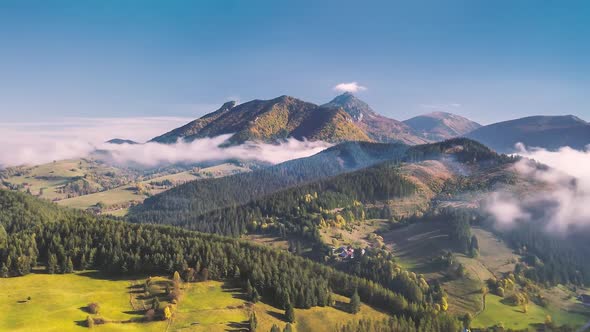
(93, 308)
(150, 315)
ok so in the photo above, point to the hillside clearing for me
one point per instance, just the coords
(57, 304)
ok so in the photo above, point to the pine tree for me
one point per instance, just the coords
(255, 296)
(156, 303)
(275, 328)
(288, 328)
(4, 271)
(290, 313)
(474, 247)
(249, 290)
(355, 302)
(69, 266)
(253, 322)
(52, 264)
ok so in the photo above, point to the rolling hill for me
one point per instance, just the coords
(549, 132)
(439, 126)
(188, 204)
(211, 194)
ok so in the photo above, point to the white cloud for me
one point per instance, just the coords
(349, 87)
(208, 149)
(43, 142)
(564, 201)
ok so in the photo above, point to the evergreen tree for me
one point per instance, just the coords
(4, 271)
(290, 313)
(52, 264)
(252, 322)
(69, 268)
(288, 328)
(474, 247)
(156, 303)
(355, 302)
(275, 328)
(255, 296)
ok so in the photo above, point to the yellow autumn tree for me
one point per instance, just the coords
(167, 313)
(444, 304)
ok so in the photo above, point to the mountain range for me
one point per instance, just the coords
(347, 118)
(548, 132)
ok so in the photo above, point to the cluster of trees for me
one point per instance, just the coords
(551, 259)
(464, 150)
(457, 224)
(119, 247)
(403, 324)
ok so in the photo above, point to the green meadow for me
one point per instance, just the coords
(43, 302)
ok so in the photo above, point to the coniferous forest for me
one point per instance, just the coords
(37, 232)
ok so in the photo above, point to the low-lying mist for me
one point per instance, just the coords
(39, 143)
(563, 203)
(208, 149)
(156, 154)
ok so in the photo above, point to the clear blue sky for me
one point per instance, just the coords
(496, 59)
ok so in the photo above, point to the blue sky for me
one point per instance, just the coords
(487, 60)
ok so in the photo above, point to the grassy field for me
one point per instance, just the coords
(111, 185)
(513, 317)
(126, 194)
(48, 177)
(417, 244)
(57, 300)
(57, 304)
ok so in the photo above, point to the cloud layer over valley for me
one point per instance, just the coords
(38, 143)
(563, 203)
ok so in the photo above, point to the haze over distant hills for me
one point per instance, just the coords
(549, 132)
(438, 126)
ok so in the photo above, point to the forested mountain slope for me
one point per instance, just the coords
(64, 240)
(207, 195)
(190, 204)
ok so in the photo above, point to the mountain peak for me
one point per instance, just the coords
(355, 107)
(441, 125)
(121, 141)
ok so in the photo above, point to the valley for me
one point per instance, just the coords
(96, 186)
(294, 166)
